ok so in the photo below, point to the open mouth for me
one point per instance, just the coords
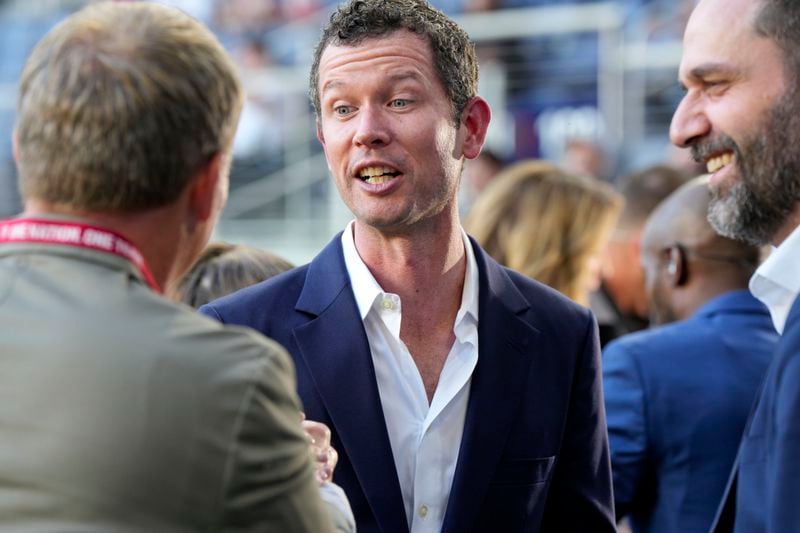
(377, 175)
(718, 162)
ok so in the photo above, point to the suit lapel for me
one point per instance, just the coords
(501, 373)
(726, 513)
(335, 349)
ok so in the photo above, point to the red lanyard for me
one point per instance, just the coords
(77, 235)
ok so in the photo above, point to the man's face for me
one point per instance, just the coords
(387, 128)
(738, 116)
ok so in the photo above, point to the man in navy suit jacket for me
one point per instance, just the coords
(461, 396)
(677, 396)
(741, 115)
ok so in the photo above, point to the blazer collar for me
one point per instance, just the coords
(336, 351)
(325, 280)
(732, 301)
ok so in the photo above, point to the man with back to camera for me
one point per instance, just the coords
(462, 396)
(741, 115)
(677, 396)
(122, 411)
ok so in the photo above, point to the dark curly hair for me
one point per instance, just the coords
(453, 52)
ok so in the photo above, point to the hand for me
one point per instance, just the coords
(325, 456)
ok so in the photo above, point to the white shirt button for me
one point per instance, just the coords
(387, 304)
(423, 511)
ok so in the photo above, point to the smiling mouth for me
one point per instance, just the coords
(377, 175)
(719, 162)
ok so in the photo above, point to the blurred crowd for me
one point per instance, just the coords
(544, 74)
(640, 422)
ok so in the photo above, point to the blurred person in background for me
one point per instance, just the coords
(223, 268)
(621, 303)
(122, 411)
(465, 396)
(677, 396)
(585, 157)
(547, 224)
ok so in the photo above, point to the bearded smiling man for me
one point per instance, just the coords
(741, 115)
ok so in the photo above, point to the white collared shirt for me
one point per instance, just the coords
(425, 438)
(776, 282)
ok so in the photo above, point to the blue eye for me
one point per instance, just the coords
(342, 110)
(399, 102)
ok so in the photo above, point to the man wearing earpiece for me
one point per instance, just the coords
(678, 396)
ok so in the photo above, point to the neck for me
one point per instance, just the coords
(426, 261)
(156, 233)
(705, 286)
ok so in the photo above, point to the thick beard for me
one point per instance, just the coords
(755, 208)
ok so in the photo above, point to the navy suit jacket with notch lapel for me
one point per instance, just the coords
(762, 494)
(534, 453)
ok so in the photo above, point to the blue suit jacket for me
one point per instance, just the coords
(764, 492)
(677, 398)
(534, 453)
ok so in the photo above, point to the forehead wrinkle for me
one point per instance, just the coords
(406, 74)
(336, 57)
(398, 49)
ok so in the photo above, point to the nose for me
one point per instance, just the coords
(373, 129)
(689, 123)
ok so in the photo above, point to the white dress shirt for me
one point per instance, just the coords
(776, 282)
(425, 438)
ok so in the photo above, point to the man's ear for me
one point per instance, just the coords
(203, 188)
(320, 136)
(15, 146)
(475, 119)
(677, 267)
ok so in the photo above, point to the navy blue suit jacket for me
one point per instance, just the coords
(677, 399)
(534, 453)
(764, 492)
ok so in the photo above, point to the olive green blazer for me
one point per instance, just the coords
(121, 411)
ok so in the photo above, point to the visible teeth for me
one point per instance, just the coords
(377, 180)
(716, 163)
(370, 172)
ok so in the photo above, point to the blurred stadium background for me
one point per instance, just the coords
(600, 75)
